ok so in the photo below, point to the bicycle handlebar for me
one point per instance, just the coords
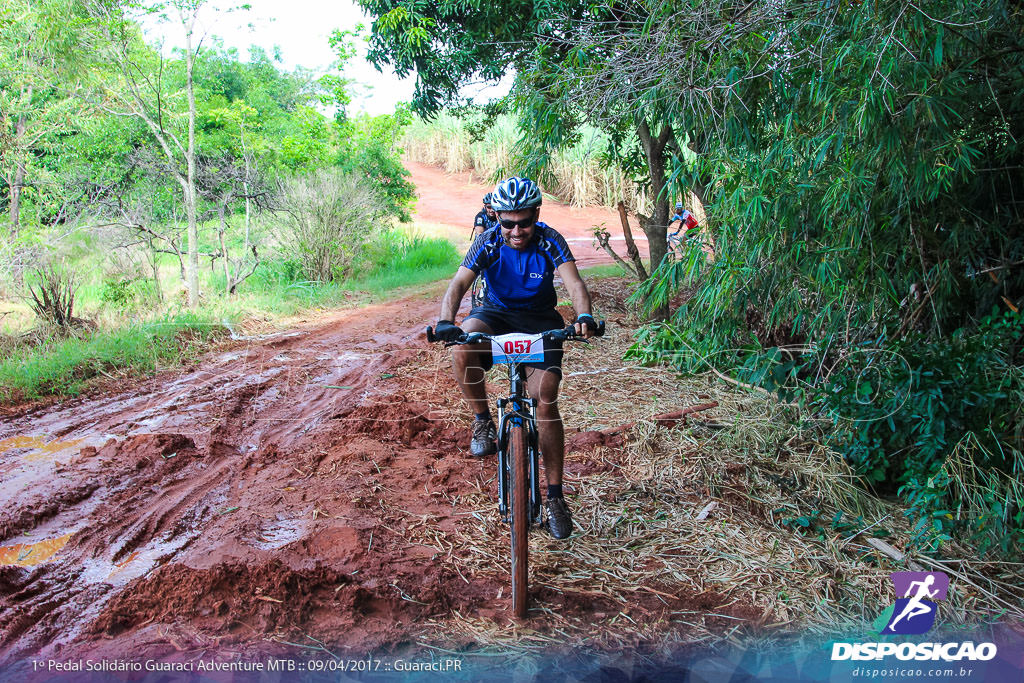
(568, 333)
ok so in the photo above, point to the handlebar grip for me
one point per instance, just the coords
(430, 334)
(570, 329)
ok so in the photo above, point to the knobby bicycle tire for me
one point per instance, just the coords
(519, 489)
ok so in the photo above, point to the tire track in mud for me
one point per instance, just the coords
(238, 495)
(293, 486)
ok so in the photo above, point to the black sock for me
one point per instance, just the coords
(486, 415)
(554, 490)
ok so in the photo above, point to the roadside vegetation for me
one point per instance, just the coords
(860, 172)
(488, 147)
(154, 203)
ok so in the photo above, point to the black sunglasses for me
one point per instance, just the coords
(524, 223)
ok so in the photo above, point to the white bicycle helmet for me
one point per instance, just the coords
(515, 194)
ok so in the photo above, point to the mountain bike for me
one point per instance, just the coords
(518, 454)
(478, 292)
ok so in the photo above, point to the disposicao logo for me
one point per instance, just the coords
(914, 614)
(915, 611)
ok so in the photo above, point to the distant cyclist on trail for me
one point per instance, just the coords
(686, 220)
(518, 260)
(485, 219)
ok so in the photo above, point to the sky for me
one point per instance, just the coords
(300, 28)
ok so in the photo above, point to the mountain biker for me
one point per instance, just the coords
(518, 260)
(686, 220)
(485, 219)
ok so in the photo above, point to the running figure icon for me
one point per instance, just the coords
(914, 612)
(915, 607)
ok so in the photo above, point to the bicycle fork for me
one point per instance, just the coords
(516, 412)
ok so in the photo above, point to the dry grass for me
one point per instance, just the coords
(653, 562)
(578, 176)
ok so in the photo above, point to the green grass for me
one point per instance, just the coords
(394, 261)
(65, 366)
(403, 261)
(607, 270)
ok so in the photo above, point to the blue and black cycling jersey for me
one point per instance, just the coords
(519, 279)
(482, 220)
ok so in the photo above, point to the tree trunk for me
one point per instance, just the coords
(245, 184)
(15, 208)
(221, 211)
(190, 190)
(655, 226)
(155, 263)
(18, 182)
(631, 250)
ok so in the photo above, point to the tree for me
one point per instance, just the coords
(562, 53)
(863, 167)
(369, 149)
(142, 94)
(244, 117)
(40, 48)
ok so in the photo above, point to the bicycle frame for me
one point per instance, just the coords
(517, 409)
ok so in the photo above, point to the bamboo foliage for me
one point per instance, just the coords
(863, 173)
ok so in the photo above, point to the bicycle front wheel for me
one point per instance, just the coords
(519, 489)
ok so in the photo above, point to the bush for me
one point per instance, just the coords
(275, 273)
(65, 366)
(900, 410)
(325, 221)
(126, 292)
(941, 419)
(938, 420)
(51, 295)
(370, 152)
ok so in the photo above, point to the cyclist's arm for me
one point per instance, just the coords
(576, 287)
(457, 289)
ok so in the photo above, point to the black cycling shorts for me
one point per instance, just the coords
(506, 321)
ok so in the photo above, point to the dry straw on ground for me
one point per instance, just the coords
(689, 534)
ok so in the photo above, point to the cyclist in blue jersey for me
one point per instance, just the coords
(518, 260)
(485, 219)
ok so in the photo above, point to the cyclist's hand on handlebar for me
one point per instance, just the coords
(585, 325)
(446, 330)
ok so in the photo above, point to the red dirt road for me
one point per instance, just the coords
(301, 487)
(453, 199)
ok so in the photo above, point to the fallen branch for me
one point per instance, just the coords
(612, 435)
(666, 419)
(891, 552)
(266, 598)
(631, 250)
(603, 238)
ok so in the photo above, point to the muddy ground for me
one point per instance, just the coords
(289, 491)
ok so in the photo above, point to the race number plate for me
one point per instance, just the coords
(518, 348)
